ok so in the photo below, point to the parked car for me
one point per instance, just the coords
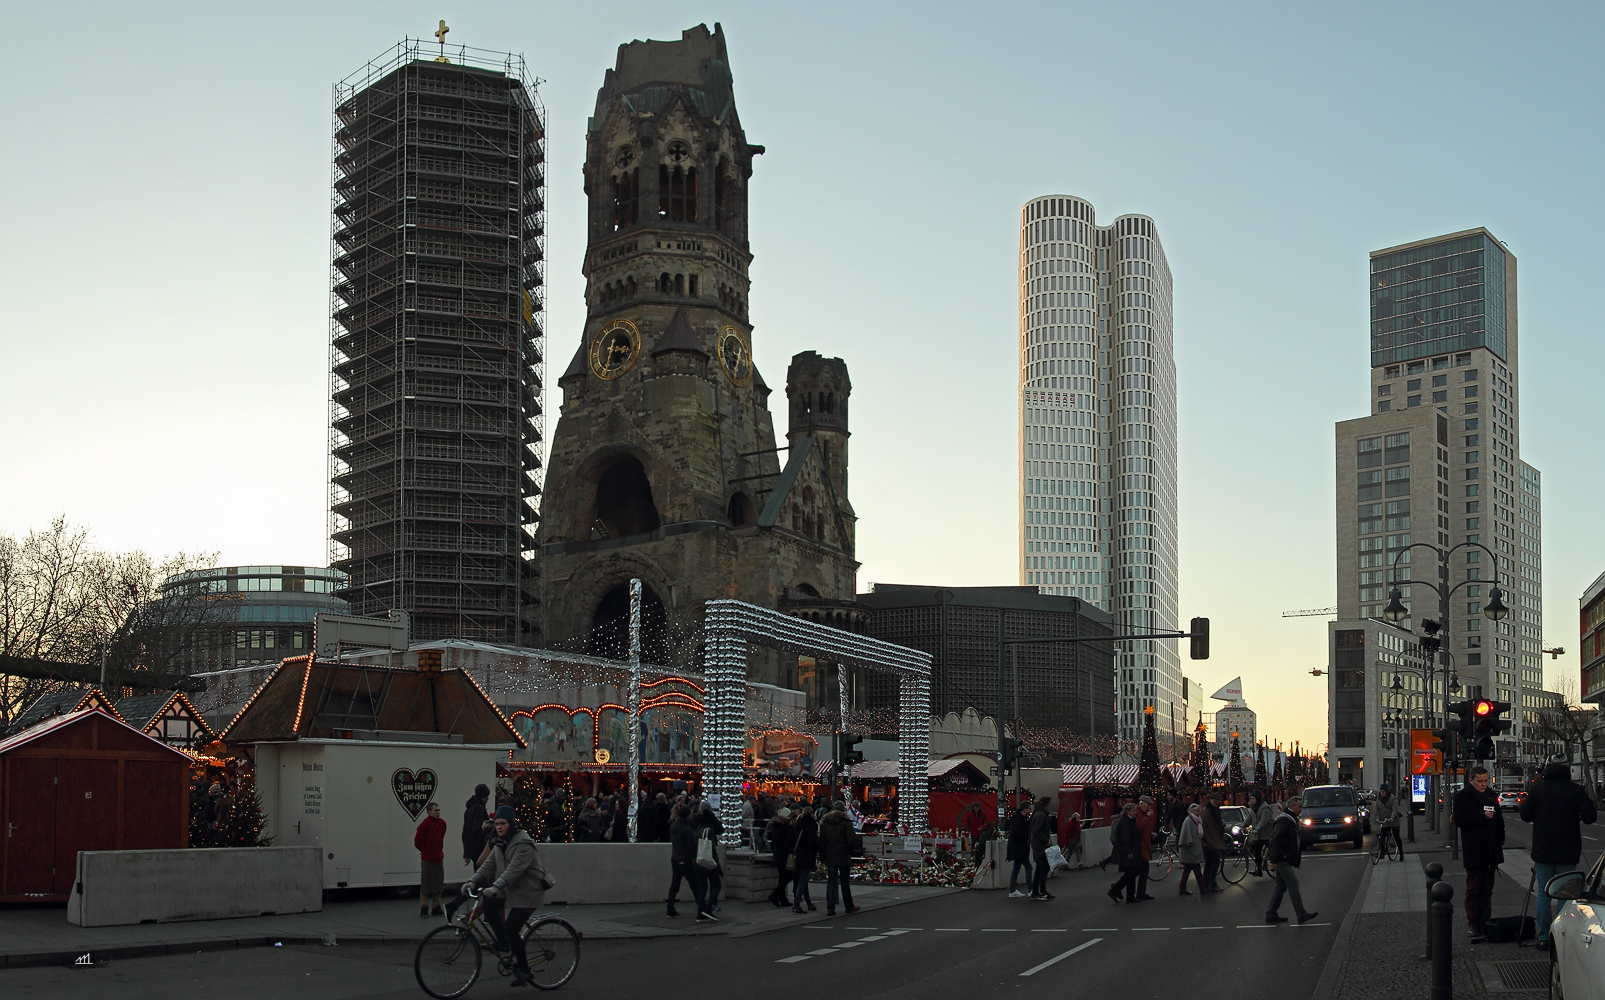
(1331, 814)
(1512, 800)
(1579, 969)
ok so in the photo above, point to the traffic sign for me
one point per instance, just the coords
(1425, 758)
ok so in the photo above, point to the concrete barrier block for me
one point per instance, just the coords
(131, 887)
(607, 873)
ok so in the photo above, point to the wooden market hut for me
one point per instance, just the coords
(84, 781)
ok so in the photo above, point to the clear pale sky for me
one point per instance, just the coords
(164, 261)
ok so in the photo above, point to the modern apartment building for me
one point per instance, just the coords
(436, 345)
(1438, 460)
(1098, 434)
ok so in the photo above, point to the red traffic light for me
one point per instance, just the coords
(1484, 707)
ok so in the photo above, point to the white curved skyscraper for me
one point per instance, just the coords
(1098, 435)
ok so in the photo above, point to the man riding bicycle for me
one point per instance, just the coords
(1386, 813)
(514, 887)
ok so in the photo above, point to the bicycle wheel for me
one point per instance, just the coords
(1234, 867)
(1379, 851)
(1159, 865)
(553, 947)
(447, 961)
(1395, 849)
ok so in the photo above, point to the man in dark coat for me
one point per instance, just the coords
(838, 843)
(1019, 848)
(1125, 839)
(781, 838)
(1556, 807)
(1284, 854)
(683, 862)
(476, 817)
(1482, 842)
(1214, 843)
(1040, 831)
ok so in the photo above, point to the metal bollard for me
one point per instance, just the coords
(1434, 873)
(1442, 911)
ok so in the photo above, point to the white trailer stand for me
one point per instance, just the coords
(360, 801)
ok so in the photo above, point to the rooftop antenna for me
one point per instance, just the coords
(440, 36)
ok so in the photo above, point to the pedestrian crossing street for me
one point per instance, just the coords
(894, 932)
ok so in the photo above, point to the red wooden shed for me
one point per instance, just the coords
(84, 782)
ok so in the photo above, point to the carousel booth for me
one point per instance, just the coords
(84, 781)
(349, 756)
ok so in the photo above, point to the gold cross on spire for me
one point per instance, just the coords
(440, 33)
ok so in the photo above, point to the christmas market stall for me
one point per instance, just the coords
(84, 781)
(348, 757)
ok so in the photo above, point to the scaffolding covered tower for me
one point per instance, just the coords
(436, 343)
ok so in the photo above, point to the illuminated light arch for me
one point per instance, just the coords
(730, 626)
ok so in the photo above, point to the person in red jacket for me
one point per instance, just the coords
(430, 839)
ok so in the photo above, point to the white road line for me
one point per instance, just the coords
(1150, 928)
(874, 937)
(818, 927)
(823, 951)
(1322, 924)
(850, 944)
(1251, 927)
(998, 930)
(794, 958)
(905, 930)
(1059, 958)
(851, 928)
(894, 932)
(1214, 927)
(952, 928)
(1049, 930)
(1094, 930)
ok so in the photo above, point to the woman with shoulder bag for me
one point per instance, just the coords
(709, 830)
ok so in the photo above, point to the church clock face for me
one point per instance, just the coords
(615, 349)
(735, 357)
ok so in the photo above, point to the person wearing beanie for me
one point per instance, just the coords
(1557, 807)
(514, 886)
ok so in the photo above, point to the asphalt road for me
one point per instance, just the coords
(964, 945)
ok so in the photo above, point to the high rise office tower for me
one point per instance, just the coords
(436, 341)
(1438, 460)
(1098, 435)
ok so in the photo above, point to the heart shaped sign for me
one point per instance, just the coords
(414, 791)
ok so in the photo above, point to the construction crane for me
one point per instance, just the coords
(1311, 613)
(1556, 653)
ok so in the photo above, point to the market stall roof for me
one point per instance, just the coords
(1108, 774)
(307, 698)
(146, 712)
(64, 702)
(59, 722)
(947, 770)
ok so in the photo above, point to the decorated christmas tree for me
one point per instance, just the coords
(241, 822)
(1260, 774)
(1200, 761)
(1148, 763)
(1234, 765)
(1278, 779)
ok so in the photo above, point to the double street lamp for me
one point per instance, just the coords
(1396, 612)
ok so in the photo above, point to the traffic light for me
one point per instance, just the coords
(1487, 722)
(1009, 750)
(849, 756)
(1430, 642)
(1445, 742)
(1199, 634)
(1465, 718)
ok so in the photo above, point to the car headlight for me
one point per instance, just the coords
(1348, 819)
(1309, 822)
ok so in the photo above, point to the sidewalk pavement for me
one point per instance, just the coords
(1378, 954)
(40, 935)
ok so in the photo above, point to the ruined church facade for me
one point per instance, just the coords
(664, 463)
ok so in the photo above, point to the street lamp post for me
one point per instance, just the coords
(1396, 612)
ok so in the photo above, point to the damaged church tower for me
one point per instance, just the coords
(664, 464)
